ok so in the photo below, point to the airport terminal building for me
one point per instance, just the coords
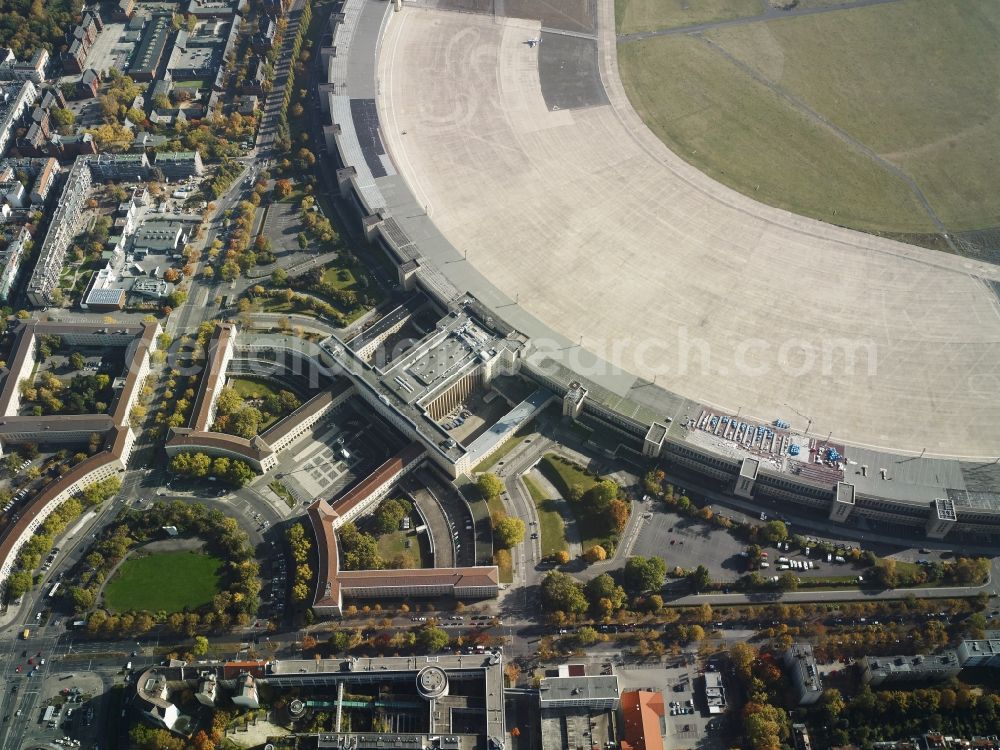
(928, 497)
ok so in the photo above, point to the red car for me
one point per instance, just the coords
(31, 660)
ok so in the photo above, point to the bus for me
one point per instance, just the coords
(54, 589)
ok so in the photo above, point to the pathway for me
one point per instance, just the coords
(571, 528)
(771, 14)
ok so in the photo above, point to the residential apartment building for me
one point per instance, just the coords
(263, 40)
(11, 258)
(118, 167)
(178, 165)
(124, 10)
(981, 652)
(80, 40)
(800, 665)
(15, 98)
(43, 182)
(32, 69)
(62, 228)
(879, 670)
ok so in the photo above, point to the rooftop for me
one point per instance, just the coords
(915, 665)
(510, 422)
(945, 509)
(642, 711)
(458, 344)
(594, 688)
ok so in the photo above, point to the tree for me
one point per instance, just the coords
(229, 271)
(246, 422)
(644, 574)
(508, 531)
(240, 473)
(229, 401)
(76, 361)
(700, 579)
(561, 592)
(832, 704)
(618, 513)
(200, 647)
(18, 584)
(562, 557)
(220, 466)
(340, 641)
(201, 465)
(389, 515)
(489, 486)
(63, 119)
(432, 638)
(282, 188)
(279, 277)
(742, 656)
(788, 582)
(147, 738)
(586, 636)
(604, 587)
(595, 554)
(886, 573)
(774, 531)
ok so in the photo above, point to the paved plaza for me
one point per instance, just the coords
(315, 467)
(610, 240)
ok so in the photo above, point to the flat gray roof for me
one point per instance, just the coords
(595, 687)
(509, 423)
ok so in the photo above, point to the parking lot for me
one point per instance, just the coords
(75, 717)
(274, 585)
(687, 542)
(468, 421)
(687, 723)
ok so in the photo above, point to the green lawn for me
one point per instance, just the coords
(340, 278)
(252, 388)
(565, 476)
(550, 523)
(169, 581)
(495, 505)
(913, 81)
(393, 546)
(649, 15)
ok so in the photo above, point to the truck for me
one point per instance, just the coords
(25, 633)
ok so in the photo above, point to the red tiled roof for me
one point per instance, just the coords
(145, 345)
(330, 580)
(395, 578)
(255, 449)
(213, 379)
(642, 710)
(113, 450)
(282, 427)
(360, 492)
(321, 515)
